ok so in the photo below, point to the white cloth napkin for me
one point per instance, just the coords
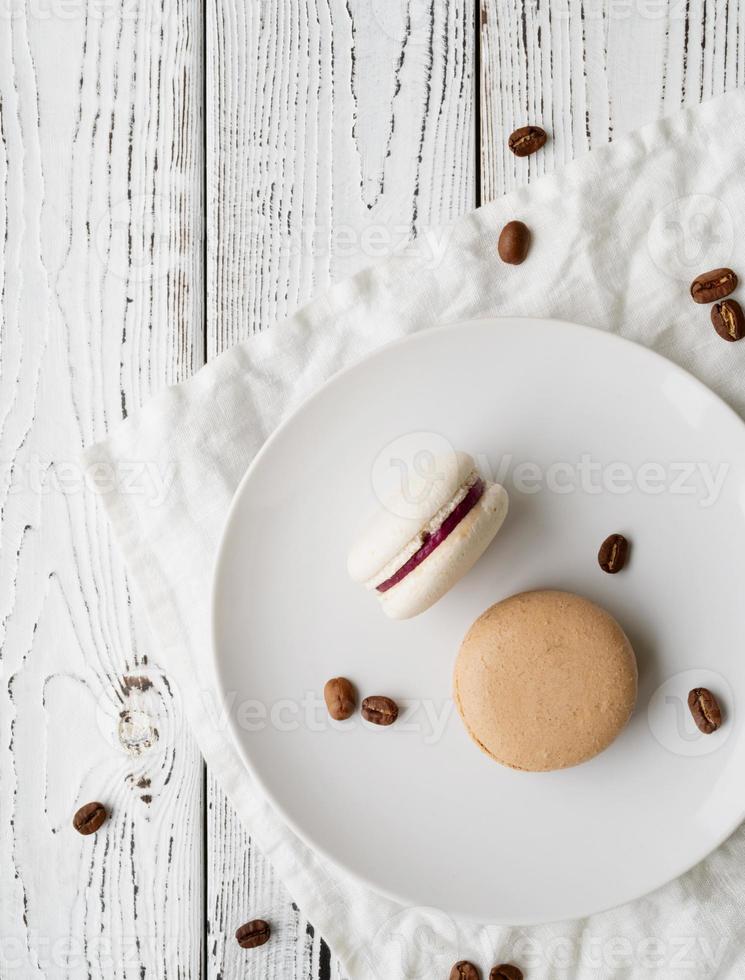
(617, 237)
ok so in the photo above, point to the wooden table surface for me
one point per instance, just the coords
(177, 175)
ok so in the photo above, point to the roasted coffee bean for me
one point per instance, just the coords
(340, 697)
(506, 972)
(613, 553)
(463, 970)
(527, 140)
(89, 818)
(714, 285)
(253, 933)
(379, 710)
(728, 320)
(514, 242)
(705, 710)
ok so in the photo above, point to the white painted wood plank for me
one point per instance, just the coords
(101, 303)
(591, 71)
(335, 129)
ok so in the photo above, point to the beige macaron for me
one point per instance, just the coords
(545, 680)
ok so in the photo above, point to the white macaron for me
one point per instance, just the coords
(428, 535)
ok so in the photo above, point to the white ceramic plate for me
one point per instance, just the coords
(597, 435)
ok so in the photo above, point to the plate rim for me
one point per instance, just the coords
(218, 570)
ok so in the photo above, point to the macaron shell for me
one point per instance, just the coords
(545, 680)
(405, 513)
(450, 561)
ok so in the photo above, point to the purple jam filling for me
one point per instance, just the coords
(429, 543)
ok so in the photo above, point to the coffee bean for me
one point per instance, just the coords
(514, 242)
(89, 818)
(506, 972)
(463, 970)
(705, 710)
(710, 286)
(613, 553)
(728, 320)
(253, 933)
(340, 697)
(527, 140)
(379, 710)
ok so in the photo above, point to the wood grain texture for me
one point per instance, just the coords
(335, 130)
(101, 303)
(590, 71)
(243, 886)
